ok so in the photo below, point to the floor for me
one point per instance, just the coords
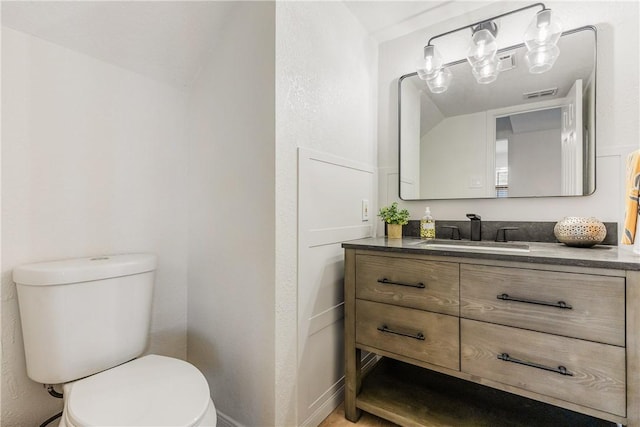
(337, 419)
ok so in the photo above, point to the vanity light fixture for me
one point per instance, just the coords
(482, 52)
(440, 82)
(541, 38)
(431, 65)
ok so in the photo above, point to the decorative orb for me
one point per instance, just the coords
(581, 232)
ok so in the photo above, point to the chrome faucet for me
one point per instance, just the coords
(476, 226)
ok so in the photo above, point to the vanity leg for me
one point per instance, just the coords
(352, 382)
(353, 357)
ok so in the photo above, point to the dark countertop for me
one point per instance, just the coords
(599, 256)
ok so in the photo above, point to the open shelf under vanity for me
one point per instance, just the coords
(410, 395)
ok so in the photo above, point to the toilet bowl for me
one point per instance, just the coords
(85, 324)
(150, 391)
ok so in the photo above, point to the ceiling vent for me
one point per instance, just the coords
(506, 61)
(540, 93)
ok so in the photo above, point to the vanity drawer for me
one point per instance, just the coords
(426, 285)
(579, 305)
(597, 371)
(422, 335)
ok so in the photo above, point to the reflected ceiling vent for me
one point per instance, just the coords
(506, 61)
(540, 93)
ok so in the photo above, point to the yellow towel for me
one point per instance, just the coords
(631, 198)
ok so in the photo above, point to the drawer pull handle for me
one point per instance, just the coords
(559, 370)
(386, 281)
(559, 304)
(418, 336)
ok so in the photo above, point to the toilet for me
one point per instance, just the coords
(85, 324)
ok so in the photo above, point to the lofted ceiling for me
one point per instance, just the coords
(167, 40)
(164, 40)
(381, 18)
(386, 20)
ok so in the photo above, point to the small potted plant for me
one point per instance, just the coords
(395, 219)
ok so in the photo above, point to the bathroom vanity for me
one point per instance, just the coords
(551, 323)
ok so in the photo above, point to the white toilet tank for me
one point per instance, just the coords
(82, 316)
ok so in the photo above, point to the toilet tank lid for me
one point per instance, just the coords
(83, 269)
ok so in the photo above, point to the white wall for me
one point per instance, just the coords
(449, 139)
(330, 190)
(411, 148)
(535, 154)
(93, 162)
(617, 113)
(99, 159)
(231, 299)
(325, 101)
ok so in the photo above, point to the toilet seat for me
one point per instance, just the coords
(150, 391)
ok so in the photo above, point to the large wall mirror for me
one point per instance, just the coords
(524, 135)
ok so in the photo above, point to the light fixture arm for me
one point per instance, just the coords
(478, 23)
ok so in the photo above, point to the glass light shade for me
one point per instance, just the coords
(544, 30)
(541, 59)
(486, 71)
(431, 64)
(483, 47)
(440, 82)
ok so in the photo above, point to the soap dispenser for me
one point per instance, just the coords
(427, 225)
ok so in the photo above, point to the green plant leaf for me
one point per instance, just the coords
(391, 214)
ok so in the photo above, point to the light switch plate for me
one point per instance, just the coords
(475, 181)
(365, 210)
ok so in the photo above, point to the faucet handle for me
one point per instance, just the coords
(455, 231)
(501, 235)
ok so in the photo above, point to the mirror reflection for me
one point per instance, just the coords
(524, 135)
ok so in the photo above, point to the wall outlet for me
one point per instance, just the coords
(365, 210)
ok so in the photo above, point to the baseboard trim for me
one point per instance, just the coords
(332, 402)
(226, 421)
(323, 410)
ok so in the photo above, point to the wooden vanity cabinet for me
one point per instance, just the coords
(561, 334)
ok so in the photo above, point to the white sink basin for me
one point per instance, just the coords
(469, 245)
